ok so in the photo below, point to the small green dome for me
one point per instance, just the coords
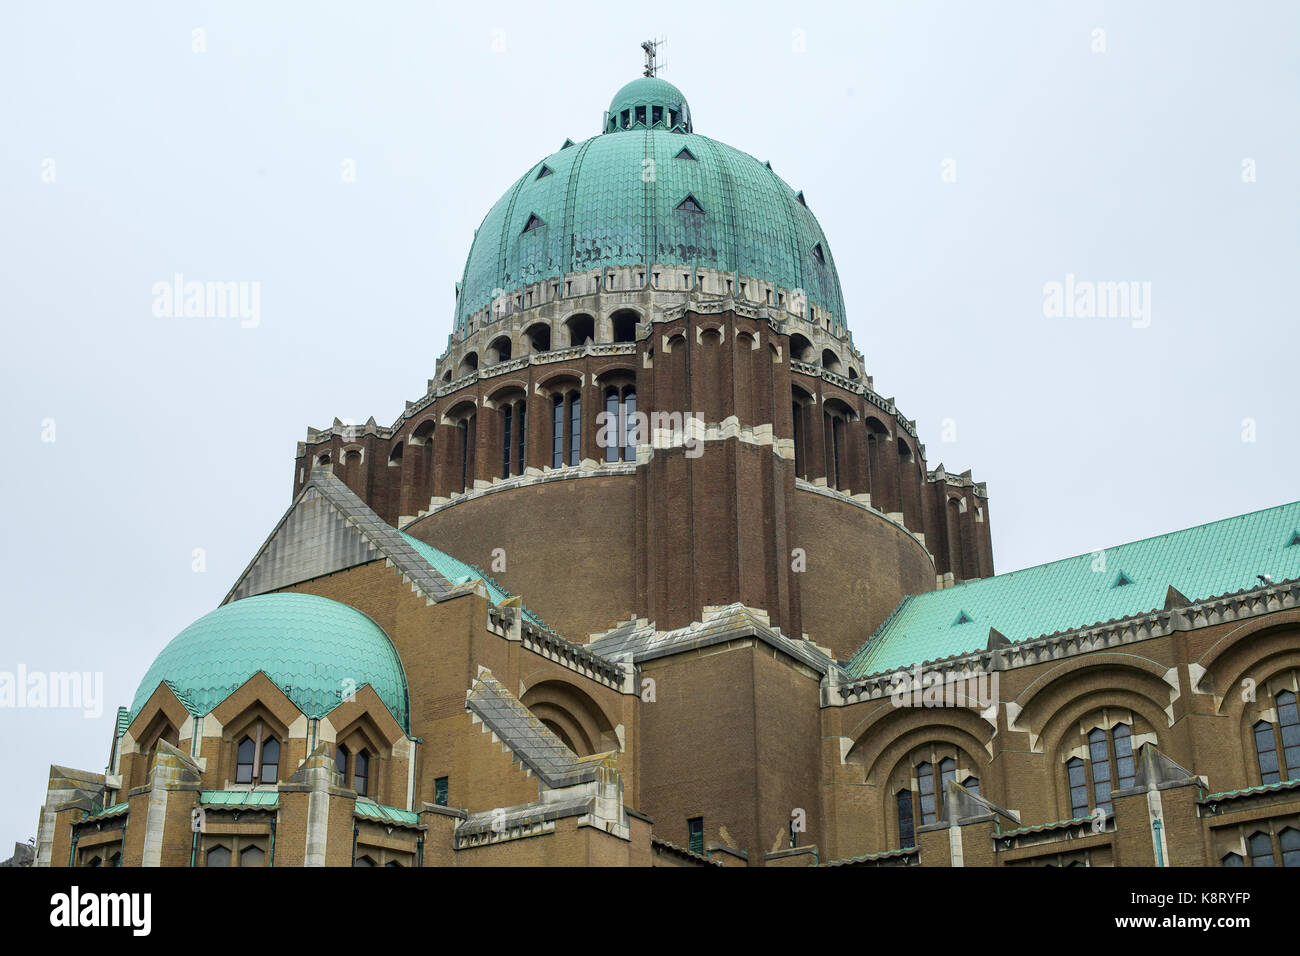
(308, 646)
(648, 93)
(650, 194)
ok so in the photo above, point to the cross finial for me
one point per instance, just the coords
(650, 47)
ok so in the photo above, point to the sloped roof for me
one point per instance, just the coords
(532, 742)
(308, 543)
(1208, 560)
(720, 624)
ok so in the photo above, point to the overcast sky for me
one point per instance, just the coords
(129, 156)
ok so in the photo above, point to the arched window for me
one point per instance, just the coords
(252, 856)
(218, 856)
(972, 784)
(906, 828)
(1260, 847)
(947, 773)
(624, 323)
(539, 337)
(582, 329)
(364, 861)
(341, 761)
(361, 773)
(1233, 859)
(1110, 766)
(94, 861)
(1278, 747)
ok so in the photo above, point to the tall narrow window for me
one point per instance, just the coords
(244, 757)
(464, 455)
(611, 425)
(575, 428)
(629, 425)
(341, 761)
(1125, 765)
(440, 791)
(507, 415)
(1099, 757)
(361, 773)
(557, 432)
(1078, 788)
(695, 834)
(271, 761)
(972, 785)
(1288, 721)
(521, 426)
(906, 829)
(1266, 750)
(925, 786)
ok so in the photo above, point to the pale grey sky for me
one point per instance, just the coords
(176, 434)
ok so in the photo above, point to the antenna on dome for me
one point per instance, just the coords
(651, 48)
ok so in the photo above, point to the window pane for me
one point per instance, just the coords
(1290, 841)
(1266, 748)
(252, 856)
(1125, 765)
(695, 834)
(244, 761)
(341, 760)
(906, 829)
(557, 434)
(505, 441)
(219, 856)
(925, 785)
(1261, 849)
(271, 761)
(972, 784)
(364, 861)
(575, 428)
(1233, 859)
(629, 427)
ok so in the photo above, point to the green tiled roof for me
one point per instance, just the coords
(1209, 560)
(377, 811)
(601, 206)
(457, 572)
(308, 646)
(239, 798)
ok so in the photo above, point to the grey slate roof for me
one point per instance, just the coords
(522, 816)
(534, 744)
(643, 642)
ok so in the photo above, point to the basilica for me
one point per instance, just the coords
(650, 574)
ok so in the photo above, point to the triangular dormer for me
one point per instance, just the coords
(963, 618)
(685, 153)
(534, 222)
(544, 172)
(689, 204)
(1122, 580)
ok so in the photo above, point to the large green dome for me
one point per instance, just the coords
(308, 646)
(649, 191)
